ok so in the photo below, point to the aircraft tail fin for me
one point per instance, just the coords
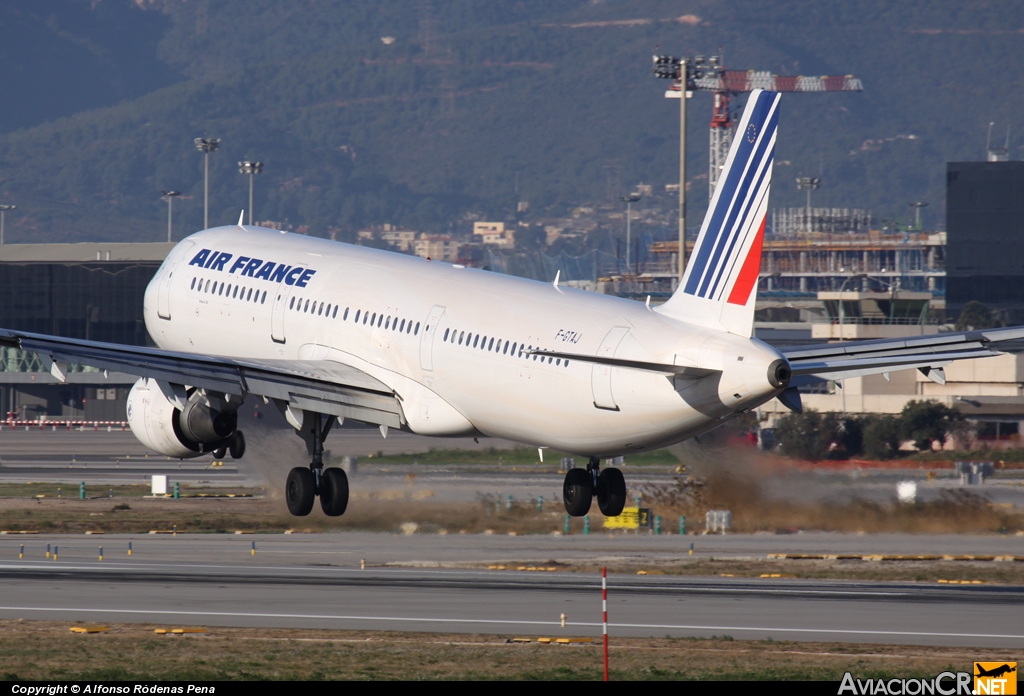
(719, 288)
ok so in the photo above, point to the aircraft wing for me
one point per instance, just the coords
(927, 353)
(315, 385)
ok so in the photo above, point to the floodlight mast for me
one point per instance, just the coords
(629, 200)
(206, 146)
(169, 197)
(673, 68)
(808, 183)
(250, 168)
(4, 209)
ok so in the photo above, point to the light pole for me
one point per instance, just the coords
(250, 168)
(808, 183)
(917, 205)
(206, 146)
(4, 209)
(630, 200)
(169, 197)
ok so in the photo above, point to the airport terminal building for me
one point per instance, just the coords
(89, 291)
(985, 238)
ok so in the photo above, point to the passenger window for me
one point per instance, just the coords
(247, 299)
(416, 332)
(373, 319)
(476, 340)
(207, 286)
(387, 323)
(220, 291)
(380, 321)
(320, 310)
(292, 305)
(344, 317)
(491, 346)
(461, 336)
(307, 306)
(514, 349)
(235, 294)
(335, 315)
(446, 335)
(193, 284)
(558, 363)
(356, 320)
(365, 317)
(401, 327)
(505, 351)
(264, 298)
(328, 310)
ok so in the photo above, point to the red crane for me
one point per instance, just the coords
(707, 75)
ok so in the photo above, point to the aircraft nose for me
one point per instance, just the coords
(779, 373)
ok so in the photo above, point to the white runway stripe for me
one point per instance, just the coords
(510, 622)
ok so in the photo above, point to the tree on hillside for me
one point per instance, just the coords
(882, 437)
(928, 423)
(814, 436)
(975, 316)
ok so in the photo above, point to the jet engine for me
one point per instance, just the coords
(206, 424)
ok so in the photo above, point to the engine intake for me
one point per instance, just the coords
(181, 434)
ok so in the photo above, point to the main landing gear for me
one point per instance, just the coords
(583, 485)
(304, 484)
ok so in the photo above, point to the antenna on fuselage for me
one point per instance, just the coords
(558, 273)
(240, 218)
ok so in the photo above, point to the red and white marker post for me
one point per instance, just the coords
(604, 616)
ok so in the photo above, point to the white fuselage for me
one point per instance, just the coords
(483, 385)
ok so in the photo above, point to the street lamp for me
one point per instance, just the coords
(4, 209)
(206, 146)
(630, 200)
(917, 205)
(808, 183)
(250, 168)
(685, 70)
(169, 197)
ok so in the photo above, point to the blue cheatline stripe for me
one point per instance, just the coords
(729, 229)
(751, 229)
(756, 194)
(725, 194)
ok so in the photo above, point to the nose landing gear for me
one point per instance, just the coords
(581, 486)
(304, 484)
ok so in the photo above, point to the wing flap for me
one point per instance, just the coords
(316, 385)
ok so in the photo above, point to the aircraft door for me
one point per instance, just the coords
(164, 294)
(601, 377)
(427, 339)
(282, 295)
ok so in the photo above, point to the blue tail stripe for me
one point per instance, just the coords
(752, 205)
(747, 171)
(727, 239)
(725, 198)
(748, 205)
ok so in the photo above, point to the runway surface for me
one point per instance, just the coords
(316, 582)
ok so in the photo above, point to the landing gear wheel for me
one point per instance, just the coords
(299, 491)
(577, 492)
(333, 492)
(220, 452)
(237, 446)
(611, 492)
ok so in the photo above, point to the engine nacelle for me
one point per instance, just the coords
(158, 425)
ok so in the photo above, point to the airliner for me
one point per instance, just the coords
(328, 331)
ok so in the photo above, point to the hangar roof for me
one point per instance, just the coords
(84, 252)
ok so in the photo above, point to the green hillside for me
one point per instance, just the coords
(471, 97)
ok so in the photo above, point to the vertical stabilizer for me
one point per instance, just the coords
(719, 288)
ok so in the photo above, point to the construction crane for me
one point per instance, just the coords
(708, 75)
